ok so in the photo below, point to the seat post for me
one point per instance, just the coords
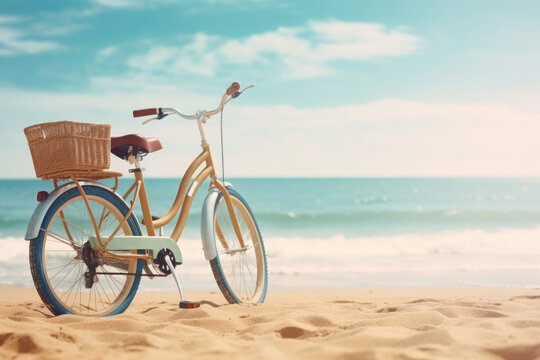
(143, 197)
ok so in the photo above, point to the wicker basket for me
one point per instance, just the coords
(68, 146)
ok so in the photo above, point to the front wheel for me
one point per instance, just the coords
(240, 272)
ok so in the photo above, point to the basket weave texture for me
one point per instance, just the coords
(68, 146)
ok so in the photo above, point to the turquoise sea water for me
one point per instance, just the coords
(364, 232)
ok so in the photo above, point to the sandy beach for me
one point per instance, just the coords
(464, 323)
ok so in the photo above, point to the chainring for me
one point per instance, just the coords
(162, 264)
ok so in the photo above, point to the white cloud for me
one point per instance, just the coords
(390, 137)
(297, 52)
(69, 14)
(16, 40)
(393, 137)
(188, 5)
(10, 19)
(106, 52)
(34, 34)
(359, 41)
(50, 29)
(118, 3)
(321, 42)
(192, 58)
(136, 4)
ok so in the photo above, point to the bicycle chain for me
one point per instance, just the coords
(135, 274)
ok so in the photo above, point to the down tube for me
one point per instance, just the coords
(180, 195)
(182, 218)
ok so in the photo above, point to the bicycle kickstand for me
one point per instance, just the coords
(184, 304)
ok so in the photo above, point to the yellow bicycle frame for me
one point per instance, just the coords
(182, 202)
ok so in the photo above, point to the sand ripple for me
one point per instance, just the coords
(383, 324)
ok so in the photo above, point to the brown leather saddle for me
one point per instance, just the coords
(133, 144)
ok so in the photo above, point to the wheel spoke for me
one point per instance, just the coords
(61, 239)
(72, 285)
(75, 226)
(108, 282)
(62, 268)
(243, 268)
(64, 263)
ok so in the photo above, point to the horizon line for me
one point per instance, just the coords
(329, 177)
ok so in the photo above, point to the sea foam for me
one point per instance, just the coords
(464, 251)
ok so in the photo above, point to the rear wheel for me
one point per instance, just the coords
(241, 273)
(64, 266)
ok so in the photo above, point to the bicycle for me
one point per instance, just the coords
(87, 249)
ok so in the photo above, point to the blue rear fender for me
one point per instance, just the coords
(32, 231)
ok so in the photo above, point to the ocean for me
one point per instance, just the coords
(344, 232)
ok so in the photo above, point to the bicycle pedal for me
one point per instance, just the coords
(189, 304)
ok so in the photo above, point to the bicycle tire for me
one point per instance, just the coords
(233, 259)
(44, 247)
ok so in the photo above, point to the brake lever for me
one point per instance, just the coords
(238, 93)
(160, 116)
(147, 121)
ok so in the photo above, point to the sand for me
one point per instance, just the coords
(465, 323)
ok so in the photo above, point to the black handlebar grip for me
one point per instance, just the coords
(144, 112)
(233, 88)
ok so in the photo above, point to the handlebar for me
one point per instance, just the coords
(202, 115)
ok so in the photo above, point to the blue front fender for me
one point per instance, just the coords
(207, 224)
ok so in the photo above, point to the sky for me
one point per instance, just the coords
(342, 88)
